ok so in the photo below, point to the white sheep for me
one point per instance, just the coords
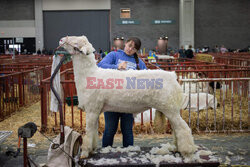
(131, 91)
(146, 116)
(203, 99)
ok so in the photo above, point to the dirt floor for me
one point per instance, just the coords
(230, 148)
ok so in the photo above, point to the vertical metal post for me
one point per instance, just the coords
(189, 109)
(232, 106)
(72, 105)
(12, 95)
(64, 104)
(183, 77)
(197, 106)
(223, 124)
(151, 116)
(240, 94)
(207, 106)
(16, 95)
(13, 57)
(214, 107)
(25, 158)
(23, 86)
(248, 105)
(43, 107)
(220, 89)
(7, 95)
(1, 96)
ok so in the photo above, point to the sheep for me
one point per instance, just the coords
(158, 119)
(146, 116)
(201, 86)
(203, 97)
(131, 91)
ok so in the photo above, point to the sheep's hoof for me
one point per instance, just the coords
(187, 150)
(84, 155)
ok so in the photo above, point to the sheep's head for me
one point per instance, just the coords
(77, 44)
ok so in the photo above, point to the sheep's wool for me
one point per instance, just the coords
(164, 153)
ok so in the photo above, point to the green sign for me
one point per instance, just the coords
(163, 21)
(127, 21)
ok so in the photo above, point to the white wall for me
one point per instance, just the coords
(17, 28)
(76, 4)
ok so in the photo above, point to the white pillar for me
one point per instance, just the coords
(39, 24)
(186, 22)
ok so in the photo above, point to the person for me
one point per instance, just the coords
(165, 38)
(162, 45)
(38, 51)
(101, 53)
(193, 49)
(189, 53)
(182, 52)
(198, 50)
(118, 43)
(121, 60)
(223, 49)
(205, 49)
(25, 51)
(16, 51)
(216, 49)
(44, 51)
(7, 52)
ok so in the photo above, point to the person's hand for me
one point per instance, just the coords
(122, 66)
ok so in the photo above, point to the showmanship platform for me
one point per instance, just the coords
(144, 157)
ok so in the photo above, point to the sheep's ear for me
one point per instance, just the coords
(83, 50)
(91, 49)
(87, 49)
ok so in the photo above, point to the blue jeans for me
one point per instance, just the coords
(111, 125)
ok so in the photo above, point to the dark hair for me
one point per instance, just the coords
(137, 42)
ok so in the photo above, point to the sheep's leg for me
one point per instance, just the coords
(89, 141)
(159, 118)
(185, 141)
(174, 138)
(96, 137)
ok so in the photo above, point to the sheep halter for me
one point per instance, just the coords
(66, 42)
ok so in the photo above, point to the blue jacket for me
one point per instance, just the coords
(113, 59)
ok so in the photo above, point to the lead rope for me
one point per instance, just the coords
(56, 146)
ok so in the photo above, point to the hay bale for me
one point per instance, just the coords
(146, 128)
(204, 57)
